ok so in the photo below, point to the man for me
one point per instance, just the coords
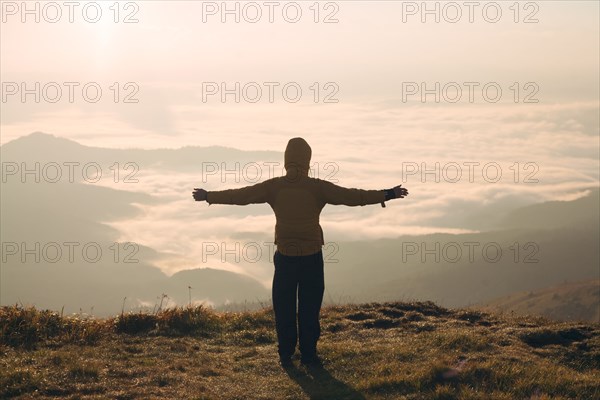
(297, 201)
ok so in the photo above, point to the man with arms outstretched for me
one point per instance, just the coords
(297, 201)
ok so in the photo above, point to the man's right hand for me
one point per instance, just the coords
(400, 192)
(199, 194)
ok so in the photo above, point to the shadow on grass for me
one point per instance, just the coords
(318, 384)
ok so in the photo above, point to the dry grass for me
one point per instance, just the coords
(372, 351)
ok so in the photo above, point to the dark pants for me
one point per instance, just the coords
(298, 277)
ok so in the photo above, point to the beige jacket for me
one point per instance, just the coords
(297, 201)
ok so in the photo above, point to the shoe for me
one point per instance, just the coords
(312, 361)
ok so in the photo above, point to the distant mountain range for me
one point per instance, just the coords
(64, 212)
(561, 236)
(42, 147)
(557, 242)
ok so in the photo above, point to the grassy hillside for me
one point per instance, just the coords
(371, 351)
(567, 302)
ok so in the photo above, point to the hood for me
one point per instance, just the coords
(297, 157)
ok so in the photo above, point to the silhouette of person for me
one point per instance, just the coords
(297, 201)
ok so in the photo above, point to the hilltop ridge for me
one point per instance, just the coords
(394, 350)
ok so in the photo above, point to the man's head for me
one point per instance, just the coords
(297, 156)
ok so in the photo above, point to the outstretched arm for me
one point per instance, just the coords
(247, 195)
(337, 195)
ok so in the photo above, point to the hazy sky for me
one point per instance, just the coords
(368, 54)
(374, 61)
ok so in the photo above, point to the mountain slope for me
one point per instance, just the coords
(556, 214)
(536, 255)
(566, 302)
